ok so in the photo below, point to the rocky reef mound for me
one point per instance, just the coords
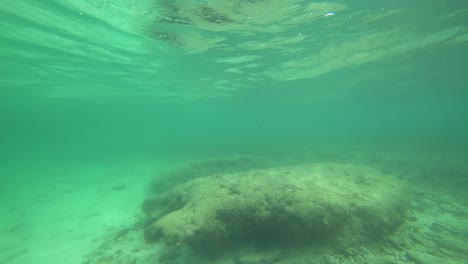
(292, 206)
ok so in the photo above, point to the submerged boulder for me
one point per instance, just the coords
(313, 203)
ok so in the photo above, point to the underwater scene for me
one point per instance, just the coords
(233, 132)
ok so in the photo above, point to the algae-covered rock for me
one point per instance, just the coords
(286, 206)
(202, 168)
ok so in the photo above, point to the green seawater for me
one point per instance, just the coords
(98, 97)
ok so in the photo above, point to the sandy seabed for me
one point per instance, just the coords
(91, 213)
(57, 212)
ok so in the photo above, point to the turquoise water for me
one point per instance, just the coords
(99, 96)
